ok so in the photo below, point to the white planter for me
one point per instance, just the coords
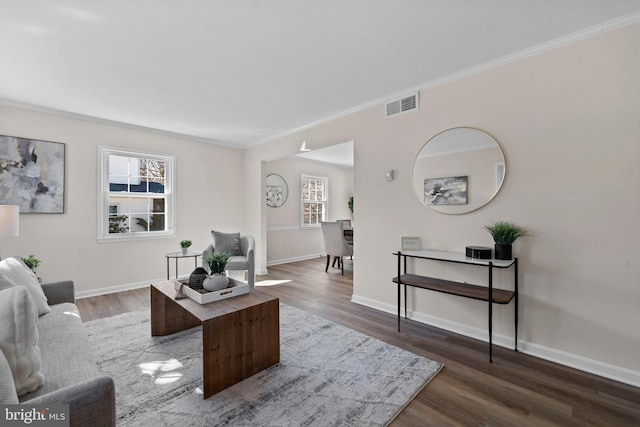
(215, 282)
(184, 251)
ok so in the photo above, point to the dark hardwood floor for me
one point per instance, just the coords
(514, 390)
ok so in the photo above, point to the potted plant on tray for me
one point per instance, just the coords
(217, 263)
(185, 245)
(504, 234)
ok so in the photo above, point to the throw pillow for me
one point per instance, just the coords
(19, 338)
(6, 283)
(16, 271)
(227, 242)
(7, 386)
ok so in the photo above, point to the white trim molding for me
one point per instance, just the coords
(596, 367)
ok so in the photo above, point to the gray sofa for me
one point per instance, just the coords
(71, 374)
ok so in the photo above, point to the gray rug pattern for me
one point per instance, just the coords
(328, 375)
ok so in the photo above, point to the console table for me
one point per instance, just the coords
(462, 289)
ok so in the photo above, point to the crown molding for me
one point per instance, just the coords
(595, 30)
(46, 110)
(548, 46)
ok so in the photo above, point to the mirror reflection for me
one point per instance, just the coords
(459, 170)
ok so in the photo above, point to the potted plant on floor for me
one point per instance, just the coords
(185, 245)
(217, 263)
(504, 234)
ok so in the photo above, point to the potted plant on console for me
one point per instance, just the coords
(217, 263)
(185, 245)
(504, 234)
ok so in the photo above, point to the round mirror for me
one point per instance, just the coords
(459, 170)
(277, 191)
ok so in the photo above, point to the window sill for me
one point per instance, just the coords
(136, 237)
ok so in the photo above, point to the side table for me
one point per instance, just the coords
(178, 255)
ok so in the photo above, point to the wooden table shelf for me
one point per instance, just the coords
(467, 290)
(482, 293)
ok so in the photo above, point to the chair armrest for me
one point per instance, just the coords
(91, 402)
(59, 292)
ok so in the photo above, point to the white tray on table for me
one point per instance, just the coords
(236, 287)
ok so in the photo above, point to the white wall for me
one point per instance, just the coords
(208, 196)
(286, 240)
(568, 122)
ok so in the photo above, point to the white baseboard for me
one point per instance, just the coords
(115, 289)
(596, 367)
(294, 259)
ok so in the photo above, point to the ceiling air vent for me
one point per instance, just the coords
(403, 105)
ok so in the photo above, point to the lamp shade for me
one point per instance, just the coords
(9, 220)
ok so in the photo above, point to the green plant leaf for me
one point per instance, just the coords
(505, 233)
(217, 262)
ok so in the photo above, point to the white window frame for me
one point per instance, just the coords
(103, 234)
(325, 202)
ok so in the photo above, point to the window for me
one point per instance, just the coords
(136, 195)
(314, 200)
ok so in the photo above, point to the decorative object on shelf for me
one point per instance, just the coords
(478, 252)
(217, 263)
(196, 278)
(180, 290)
(185, 245)
(445, 191)
(410, 243)
(35, 170)
(461, 151)
(277, 190)
(504, 234)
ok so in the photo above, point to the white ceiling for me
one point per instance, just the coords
(338, 154)
(241, 72)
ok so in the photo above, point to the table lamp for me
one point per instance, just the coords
(9, 220)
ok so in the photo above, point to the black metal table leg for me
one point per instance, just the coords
(399, 284)
(490, 312)
(515, 281)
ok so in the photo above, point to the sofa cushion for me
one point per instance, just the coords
(13, 269)
(7, 386)
(67, 357)
(19, 338)
(227, 242)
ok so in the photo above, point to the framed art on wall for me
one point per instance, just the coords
(32, 174)
(410, 243)
(445, 191)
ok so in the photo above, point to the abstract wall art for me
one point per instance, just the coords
(32, 174)
(445, 191)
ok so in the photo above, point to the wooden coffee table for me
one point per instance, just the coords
(240, 335)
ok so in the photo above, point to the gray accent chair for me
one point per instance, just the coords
(244, 262)
(335, 243)
(68, 364)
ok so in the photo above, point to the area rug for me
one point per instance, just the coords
(328, 375)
